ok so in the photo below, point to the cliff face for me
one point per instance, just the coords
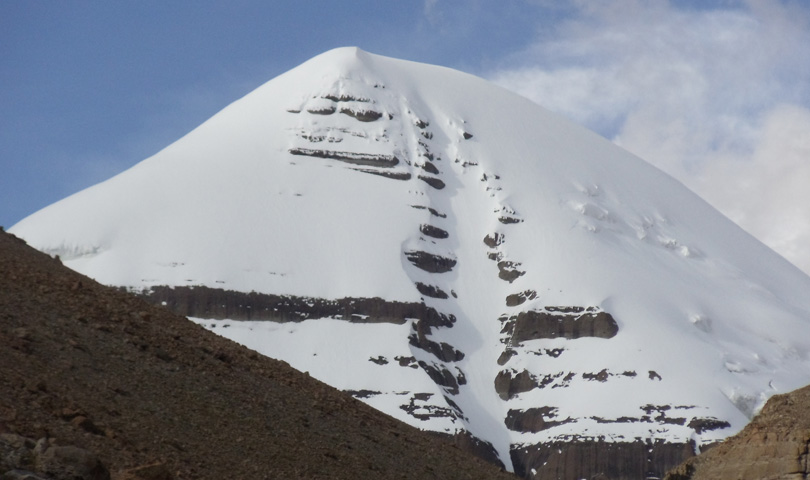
(599, 460)
(577, 458)
(773, 446)
(580, 457)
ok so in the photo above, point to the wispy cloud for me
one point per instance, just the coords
(429, 10)
(717, 97)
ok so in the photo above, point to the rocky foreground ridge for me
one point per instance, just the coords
(96, 384)
(774, 446)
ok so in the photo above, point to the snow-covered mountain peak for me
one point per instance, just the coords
(455, 255)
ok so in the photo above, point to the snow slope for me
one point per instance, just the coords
(328, 180)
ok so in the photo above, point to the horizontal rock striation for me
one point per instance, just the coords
(386, 173)
(362, 115)
(434, 182)
(321, 111)
(366, 159)
(559, 322)
(430, 262)
(533, 420)
(432, 211)
(433, 231)
(424, 411)
(430, 290)
(441, 350)
(214, 303)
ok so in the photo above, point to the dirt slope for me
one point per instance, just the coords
(93, 367)
(773, 446)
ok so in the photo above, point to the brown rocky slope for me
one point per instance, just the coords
(90, 367)
(774, 446)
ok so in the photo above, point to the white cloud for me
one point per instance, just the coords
(767, 191)
(718, 98)
(431, 12)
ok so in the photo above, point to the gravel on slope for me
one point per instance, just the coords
(90, 366)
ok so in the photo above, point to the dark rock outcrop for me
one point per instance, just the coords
(344, 97)
(362, 115)
(509, 383)
(504, 357)
(205, 302)
(516, 299)
(667, 415)
(430, 262)
(407, 361)
(365, 159)
(426, 411)
(430, 290)
(441, 350)
(430, 168)
(441, 376)
(379, 360)
(386, 173)
(481, 448)
(556, 322)
(494, 240)
(432, 231)
(434, 182)
(509, 271)
(322, 111)
(362, 393)
(432, 211)
(533, 419)
(700, 425)
(600, 376)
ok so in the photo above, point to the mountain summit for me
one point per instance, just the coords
(459, 258)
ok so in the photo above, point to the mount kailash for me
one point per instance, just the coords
(459, 258)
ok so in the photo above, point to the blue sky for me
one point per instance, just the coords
(715, 93)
